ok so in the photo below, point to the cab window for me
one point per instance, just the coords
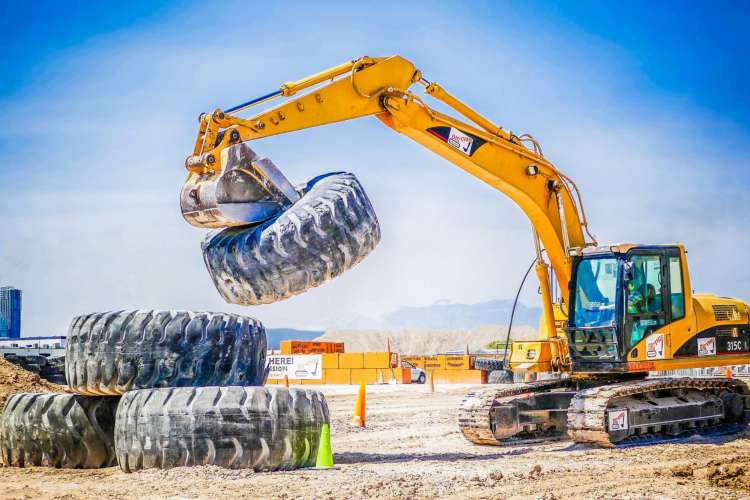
(675, 287)
(644, 304)
(596, 292)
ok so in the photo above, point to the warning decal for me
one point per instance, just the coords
(617, 420)
(463, 141)
(707, 346)
(459, 140)
(655, 346)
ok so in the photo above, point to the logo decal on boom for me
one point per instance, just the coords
(463, 141)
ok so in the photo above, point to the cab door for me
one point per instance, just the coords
(646, 298)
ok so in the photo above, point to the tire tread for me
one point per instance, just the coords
(263, 428)
(328, 231)
(58, 430)
(113, 352)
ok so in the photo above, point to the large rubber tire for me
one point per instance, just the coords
(262, 428)
(114, 352)
(489, 364)
(54, 371)
(58, 430)
(328, 231)
(500, 377)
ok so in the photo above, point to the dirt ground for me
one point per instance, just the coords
(413, 449)
(14, 379)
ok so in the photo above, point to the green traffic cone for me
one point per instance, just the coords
(325, 455)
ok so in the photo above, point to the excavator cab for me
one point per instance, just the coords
(619, 297)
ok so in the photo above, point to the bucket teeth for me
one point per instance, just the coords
(246, 190)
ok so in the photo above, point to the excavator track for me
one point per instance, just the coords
(677, 407)
(475, 415)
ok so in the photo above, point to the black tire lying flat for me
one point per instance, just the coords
(328, 231)
(489, 364)
(58, 430)
(500, 377)
(260, 428)
(114, 352)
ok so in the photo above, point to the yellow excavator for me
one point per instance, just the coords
(625, 310)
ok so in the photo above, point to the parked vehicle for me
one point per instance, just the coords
(417, 374)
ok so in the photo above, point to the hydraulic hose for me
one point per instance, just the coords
(513, 311)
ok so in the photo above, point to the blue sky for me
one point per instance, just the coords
(643, 104)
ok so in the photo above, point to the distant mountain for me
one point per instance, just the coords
(447, 315)
(276, 335)
(476, 321)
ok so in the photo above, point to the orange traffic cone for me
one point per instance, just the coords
(728, 373)
(359, 407)
(431, 381)
(286, 381)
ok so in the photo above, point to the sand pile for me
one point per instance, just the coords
(15, 379)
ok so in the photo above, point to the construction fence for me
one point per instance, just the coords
(308, 362)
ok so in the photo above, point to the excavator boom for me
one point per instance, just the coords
(380, 86)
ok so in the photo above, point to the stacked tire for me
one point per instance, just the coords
(164, 389)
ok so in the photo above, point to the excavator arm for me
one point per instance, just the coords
(514, 165)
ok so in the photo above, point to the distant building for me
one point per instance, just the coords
(51, 342)
(49, 347)
(10, 313)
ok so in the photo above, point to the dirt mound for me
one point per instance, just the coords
(731, 472)
(15, 379)
(424, 341)
(734, 473)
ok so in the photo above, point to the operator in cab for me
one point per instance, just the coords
(637, 302)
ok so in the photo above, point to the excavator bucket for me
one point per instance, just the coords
(246, 190)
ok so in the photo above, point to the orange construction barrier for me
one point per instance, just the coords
(367, 375)
(359, 407)
(352, 360)
(431, 381)
(309, 347)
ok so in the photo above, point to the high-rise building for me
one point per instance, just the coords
(10, 312)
